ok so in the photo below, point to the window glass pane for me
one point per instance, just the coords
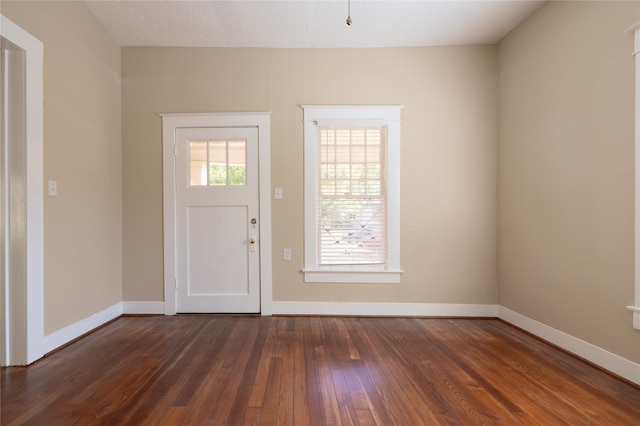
(351, 221)
(373, 171)
(358, 187)
(352, 231)
(324, 171)
(373, 187)
(373, 153)
(197, 163)
(358, 154)
(327, 187)
(343, 187)
(343, 171)
(342, 154)
(358, 171)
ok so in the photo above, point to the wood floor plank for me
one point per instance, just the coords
(327, 389)
(313, 340)
(300, 400)
(259, 387)
(284, 412)
(172, 417)
(244, 370)
(252, 417)
(249, 376)
(270, 407)
(399, 404)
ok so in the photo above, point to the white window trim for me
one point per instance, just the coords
(388, 115)
(636, 309)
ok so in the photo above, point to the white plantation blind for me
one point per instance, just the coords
(351, 210)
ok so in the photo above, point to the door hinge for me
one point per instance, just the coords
(175, 283)
(175, 150)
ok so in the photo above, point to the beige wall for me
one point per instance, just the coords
(449, 134)
(82, 140)
(566, 171)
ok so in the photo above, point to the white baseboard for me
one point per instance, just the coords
(67, 334)
(143, 308)
(384, 309)
(605, 359)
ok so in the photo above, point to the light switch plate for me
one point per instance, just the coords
(52, 188)
(278, 194)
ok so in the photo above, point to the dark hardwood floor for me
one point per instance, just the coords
(235, 370)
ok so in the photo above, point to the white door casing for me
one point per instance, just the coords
(217, 226)
(175, 127)
(23, 310)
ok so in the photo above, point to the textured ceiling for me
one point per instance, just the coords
(307, 23)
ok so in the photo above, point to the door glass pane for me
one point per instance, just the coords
(237, 162)
(198, 163)
(218, 163)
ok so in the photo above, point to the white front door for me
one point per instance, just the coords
(217, 220)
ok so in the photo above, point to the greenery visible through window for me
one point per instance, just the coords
(218, 174)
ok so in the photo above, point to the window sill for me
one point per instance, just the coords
(344, 275)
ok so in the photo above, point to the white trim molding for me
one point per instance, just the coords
(636, 51)
(385, 309)
(594, 354)
(367, 276)
(143, 308)
(351, 115)
(79, 328)
(171, 122)
(31, 294)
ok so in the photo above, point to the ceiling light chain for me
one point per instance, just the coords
(349, 14)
